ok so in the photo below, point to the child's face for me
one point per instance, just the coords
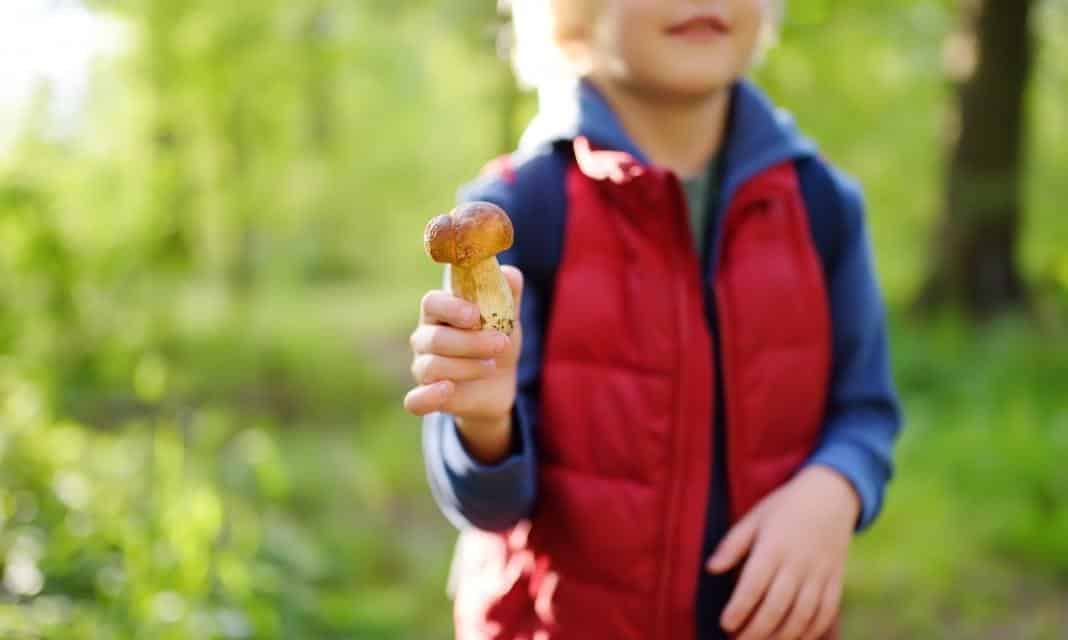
(674, 48)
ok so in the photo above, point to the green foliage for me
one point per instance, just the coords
(205, 295)
(974, 531)
(204, 526)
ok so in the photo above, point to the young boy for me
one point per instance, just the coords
(696, 411)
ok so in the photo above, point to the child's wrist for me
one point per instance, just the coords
(487, 440)
(838, 485)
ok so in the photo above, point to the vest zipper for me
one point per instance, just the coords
(681, 263)
(723, 215)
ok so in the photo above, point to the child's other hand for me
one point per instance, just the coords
(796, 541)
(467, 372)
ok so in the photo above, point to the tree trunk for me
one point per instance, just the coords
(320, 77)
(171, 190)
(974, 255)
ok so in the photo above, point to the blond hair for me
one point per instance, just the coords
(546, 34)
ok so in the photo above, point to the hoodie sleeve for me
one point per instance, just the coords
(496, 497)
(863, 413)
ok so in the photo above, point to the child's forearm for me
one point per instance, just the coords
(488, 441)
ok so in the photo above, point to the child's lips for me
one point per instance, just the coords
(700, 27)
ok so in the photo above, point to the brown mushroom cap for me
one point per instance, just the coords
(469, 233)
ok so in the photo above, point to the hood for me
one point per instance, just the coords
(759, 135)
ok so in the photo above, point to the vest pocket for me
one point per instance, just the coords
(782, 404)
(597, 528)
(776, 342)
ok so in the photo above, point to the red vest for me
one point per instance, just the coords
(613, 548)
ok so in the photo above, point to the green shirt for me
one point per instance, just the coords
(701, 192)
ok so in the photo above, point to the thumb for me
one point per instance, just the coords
(515, 281)
(735, 546)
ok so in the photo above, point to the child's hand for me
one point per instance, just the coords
(796, 540)
(465, 371)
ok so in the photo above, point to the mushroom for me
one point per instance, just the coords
(467, 240)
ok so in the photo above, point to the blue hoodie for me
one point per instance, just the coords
(863, 415)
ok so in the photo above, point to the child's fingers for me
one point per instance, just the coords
(828, 611)
(426, 399)
(734, 547)
(804, 611)
(458, 343)
(478, 401)
(428, 368)
(752, 585)
(773, 609)
(441, 307)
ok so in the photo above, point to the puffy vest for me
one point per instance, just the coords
(613, 548)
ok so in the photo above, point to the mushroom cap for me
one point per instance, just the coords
(468, 234)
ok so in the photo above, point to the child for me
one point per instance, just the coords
(696, 411)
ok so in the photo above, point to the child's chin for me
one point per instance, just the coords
(698, 86)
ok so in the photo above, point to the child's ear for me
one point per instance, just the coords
(774, 12)
(575, 48)
(577, 52)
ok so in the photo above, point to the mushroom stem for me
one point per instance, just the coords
(483, 283)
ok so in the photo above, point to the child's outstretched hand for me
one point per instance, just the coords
(465, 371)
(796, 541)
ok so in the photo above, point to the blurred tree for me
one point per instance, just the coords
(487, 29)
(975, 251)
